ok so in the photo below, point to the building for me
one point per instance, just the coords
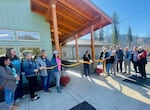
(31, 25)
(22, 29)
(69, 50)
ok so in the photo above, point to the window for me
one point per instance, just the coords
(64, 54)
(3, 50)
(6, 34)
(34, 50)
(27, 36)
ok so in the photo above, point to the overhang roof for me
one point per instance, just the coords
(73, 17)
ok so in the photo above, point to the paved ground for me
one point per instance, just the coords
(109, 93)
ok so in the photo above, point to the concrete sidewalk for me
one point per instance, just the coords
(109, 93)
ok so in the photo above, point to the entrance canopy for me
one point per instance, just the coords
(73, 17)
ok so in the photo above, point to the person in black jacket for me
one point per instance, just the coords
(86, 58)
(142, 61)
(119, 53)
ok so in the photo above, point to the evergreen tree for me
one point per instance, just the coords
(101, 34)
(115, 32)
(95, 36)
(129, 35)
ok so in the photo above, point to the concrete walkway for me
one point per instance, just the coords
(109, 93)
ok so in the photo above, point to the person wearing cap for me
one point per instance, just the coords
(142, 61)
(56, 61)
(42, 64)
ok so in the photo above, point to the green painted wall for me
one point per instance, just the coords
(17, 15)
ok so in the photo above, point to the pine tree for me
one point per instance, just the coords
(101, 34)
(129, 35)
(115, 32)
(95, 36)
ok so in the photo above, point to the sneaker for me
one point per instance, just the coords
(47, 90)
(143, 77)
(61, 87)
(88, 76)
(58, 90)
(14, 107)
(138, 75)
(35, 98)
(17, 100)
(16, 104)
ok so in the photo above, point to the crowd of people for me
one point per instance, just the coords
(11, 69)
(116, 57)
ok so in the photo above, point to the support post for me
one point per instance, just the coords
(61, 49)
(92, 43)
(77, 50)
(54, 15)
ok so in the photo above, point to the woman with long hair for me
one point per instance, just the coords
(8, 82)
(15, 61)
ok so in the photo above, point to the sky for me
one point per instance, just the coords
(135, 13)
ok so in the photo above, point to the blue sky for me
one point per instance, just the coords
(135, 13)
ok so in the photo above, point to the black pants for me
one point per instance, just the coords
(19, 89)
(32, 85)
(142, 70)
(119, 63)
(136, 67)
(86, 69)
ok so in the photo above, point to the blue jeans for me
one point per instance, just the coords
(57, 76)
(9, 97)
(50, 79)
(108, 67)
(45, 82)
(86, 69)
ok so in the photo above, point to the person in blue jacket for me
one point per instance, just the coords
(30, 68)
(15, 61)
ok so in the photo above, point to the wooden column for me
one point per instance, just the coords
(77, 50)
(60, 50)
(92, 43)
(54, 15)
